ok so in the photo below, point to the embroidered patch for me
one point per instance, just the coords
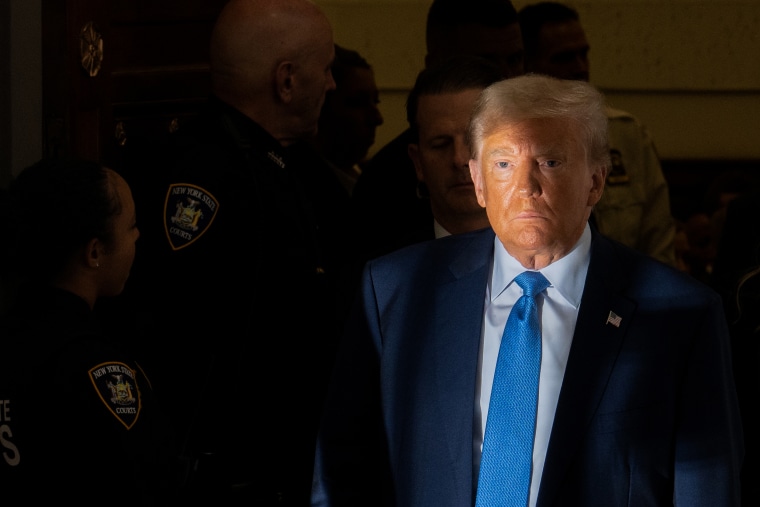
(617, 174)
(189, 211)
(116, 385)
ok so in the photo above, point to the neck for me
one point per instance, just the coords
(535, 262)
(79, 285)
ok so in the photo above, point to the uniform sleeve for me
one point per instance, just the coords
(657, 226)
(635, 205)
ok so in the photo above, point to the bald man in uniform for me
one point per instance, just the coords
(239, 264)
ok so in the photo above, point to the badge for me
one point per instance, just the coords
(618, 174)
(116, 386)
(189, 211)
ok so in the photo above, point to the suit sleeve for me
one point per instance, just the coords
(352, 466)
(709, 444)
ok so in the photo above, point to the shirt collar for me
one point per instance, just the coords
(439, 231)
(567, 275)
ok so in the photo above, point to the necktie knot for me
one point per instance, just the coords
(532, 282)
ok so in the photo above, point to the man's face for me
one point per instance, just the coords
(562, 52)
(351, 115)
(501, 45)
(441, 156)
(536, 184)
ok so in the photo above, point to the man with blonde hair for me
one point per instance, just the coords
(536, 362)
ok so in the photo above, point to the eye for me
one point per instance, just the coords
(553, 164)
(440, 143)
(502, 164)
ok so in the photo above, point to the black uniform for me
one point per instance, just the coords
(734, 276)
(78, 418)
(245, 257)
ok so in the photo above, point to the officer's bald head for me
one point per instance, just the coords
(271, 60)
(250, 37)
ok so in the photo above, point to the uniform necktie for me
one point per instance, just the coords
(507, 458)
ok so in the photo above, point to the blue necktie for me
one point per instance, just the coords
(506, 463)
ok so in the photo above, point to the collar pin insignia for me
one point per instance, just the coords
(274, 157)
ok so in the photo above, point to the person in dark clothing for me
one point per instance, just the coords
(736, 276)
(438, 109)
(393, 206)
(350, 117)
(242, 267)
(78, 417)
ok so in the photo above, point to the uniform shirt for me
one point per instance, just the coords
(241, 263)
(78, 416)
(635, 206)
(559, 312)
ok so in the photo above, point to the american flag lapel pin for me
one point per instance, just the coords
(614, 319)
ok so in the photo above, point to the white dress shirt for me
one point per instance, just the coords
(559, 313)
(439, 231)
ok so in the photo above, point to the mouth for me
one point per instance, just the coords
(529, 215)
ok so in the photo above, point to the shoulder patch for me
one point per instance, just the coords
(617, 175)
(189, 211)
(117, 388)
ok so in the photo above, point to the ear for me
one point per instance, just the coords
(477, 180)
(414, 153)
(598, 178)
(93, 253)
(284, 81)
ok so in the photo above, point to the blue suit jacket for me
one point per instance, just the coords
(647, 413)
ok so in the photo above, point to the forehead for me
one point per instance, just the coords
(553, 136)
(356, 79)
(562, 36)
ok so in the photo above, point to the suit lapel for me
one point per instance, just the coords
(457, 341)
(596, 343)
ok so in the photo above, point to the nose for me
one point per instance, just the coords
(581, 67)
(525, 182)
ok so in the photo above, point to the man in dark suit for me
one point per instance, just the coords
(438, 110)
(635, 405)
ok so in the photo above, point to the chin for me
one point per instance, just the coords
(529, 238)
